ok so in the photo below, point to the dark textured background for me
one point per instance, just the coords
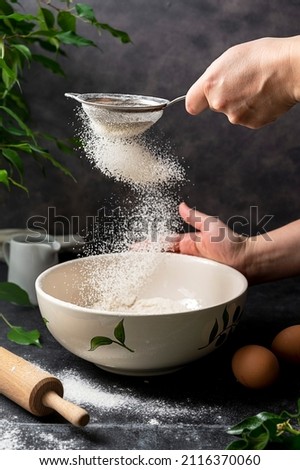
(230, 168)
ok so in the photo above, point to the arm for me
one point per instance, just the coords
(260, 258)
(279, 257)
(252, 83)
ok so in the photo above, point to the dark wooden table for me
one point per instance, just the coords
(190, 409)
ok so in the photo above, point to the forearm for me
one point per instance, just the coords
(274, 255)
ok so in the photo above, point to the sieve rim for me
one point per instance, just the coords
(121, 102)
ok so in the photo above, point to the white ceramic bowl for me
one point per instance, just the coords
(139, 343)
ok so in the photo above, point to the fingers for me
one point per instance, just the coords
(196, 101)
(188, 246)
(191, 216)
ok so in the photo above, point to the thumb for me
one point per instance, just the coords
(192, 217)
(196, 101)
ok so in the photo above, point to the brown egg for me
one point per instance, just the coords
(255, 366)
(286, 344)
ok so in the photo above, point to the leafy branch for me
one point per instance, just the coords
(267, 431)
(43, 38)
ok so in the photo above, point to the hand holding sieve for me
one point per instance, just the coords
(122, 114)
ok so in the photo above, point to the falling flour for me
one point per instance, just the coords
(150, 224)
(133, 160)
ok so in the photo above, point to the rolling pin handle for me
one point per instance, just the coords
(71, 412)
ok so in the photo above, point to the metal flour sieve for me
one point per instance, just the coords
(122, 115)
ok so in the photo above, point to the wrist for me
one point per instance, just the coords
(272, 255)
(260, 259)
(250, 266)
(294, 58)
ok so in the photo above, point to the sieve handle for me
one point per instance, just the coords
(180, 98)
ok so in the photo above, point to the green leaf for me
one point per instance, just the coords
(9, 71)
(252, 422)
(66, 21)
(46, 18)
(6, 8)
(225, 318)
(124, 38)
(119, 332)
(85, 11)
(239, 444)
(4, 178)
(14, 159)
(69, 37)
(19, 335)
(24, 146)
(11, 292)
(236, 314)
(18, 120)
(258, 438)
(48, 64)
(14, 131)
(50, 47)
(18, 17)
(214, 332)
(2, 48)
(99, 341)
(24, 50)
(271, 426)
(8, 79)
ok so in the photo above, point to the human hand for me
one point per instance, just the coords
(266, 257)
(212, 239)
(252, 83)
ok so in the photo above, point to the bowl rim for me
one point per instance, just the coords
(82, 309)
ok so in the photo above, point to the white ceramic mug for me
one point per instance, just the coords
(27, 256)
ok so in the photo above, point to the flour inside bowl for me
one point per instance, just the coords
(152, 305)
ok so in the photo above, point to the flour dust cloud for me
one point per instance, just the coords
(147, 219)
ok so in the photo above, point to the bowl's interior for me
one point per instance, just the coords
(84, 281)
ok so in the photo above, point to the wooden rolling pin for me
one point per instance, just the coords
(35, 390)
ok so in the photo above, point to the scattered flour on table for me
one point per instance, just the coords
(14, 438)
(11, 436)
(100, 399)
(90, 393)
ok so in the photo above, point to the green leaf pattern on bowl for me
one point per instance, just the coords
(119, 334)
(220, 332)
